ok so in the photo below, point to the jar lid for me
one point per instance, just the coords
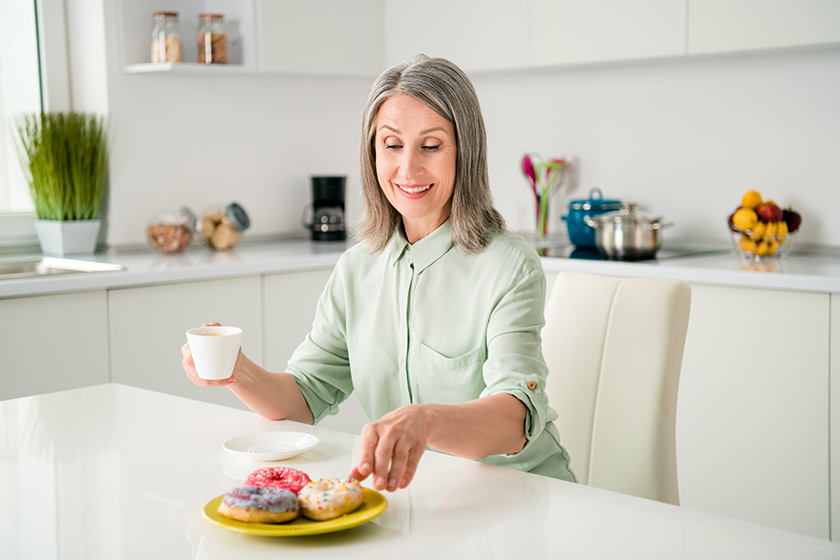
(165, 14)
(237, 216)
(187, 217)
(595, 201)
(211, 16)
(627, 214)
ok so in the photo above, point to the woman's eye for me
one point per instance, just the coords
(389, 146)
(431, 148)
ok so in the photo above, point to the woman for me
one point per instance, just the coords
(434, 320)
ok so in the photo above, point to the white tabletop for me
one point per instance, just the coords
(117, 472)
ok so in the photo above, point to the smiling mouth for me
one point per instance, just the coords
(415, 190)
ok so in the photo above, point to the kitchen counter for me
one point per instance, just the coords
(798, 272)
(90, 473)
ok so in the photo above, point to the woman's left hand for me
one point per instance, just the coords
(391, 448)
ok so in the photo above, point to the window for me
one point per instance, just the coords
(20, 92)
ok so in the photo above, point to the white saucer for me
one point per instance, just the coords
(271, 446)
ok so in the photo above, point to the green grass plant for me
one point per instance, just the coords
(64, 157)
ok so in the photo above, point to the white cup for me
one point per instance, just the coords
(214, 350)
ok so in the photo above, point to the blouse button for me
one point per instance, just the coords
(532, 385)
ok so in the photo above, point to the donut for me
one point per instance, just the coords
(278, 477)
(329, 498)
(256, 504)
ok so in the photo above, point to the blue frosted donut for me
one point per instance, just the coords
(258, 504)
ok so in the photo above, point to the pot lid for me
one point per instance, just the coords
(627, 214)
(595, 201)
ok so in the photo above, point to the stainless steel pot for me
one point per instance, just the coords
(625, 235)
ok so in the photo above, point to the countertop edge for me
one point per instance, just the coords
(153, 269)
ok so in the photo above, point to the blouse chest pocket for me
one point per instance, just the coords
(439, 379)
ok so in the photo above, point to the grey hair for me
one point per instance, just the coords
(445, 89)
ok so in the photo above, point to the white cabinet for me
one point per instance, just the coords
(835, 417)
(147, 329)
(739, 25)
(52, 343)
(752, 415)
(289, 306)
(582, 31)
(327, 37)
(474, 34)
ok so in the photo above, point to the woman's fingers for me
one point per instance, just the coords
(367, 449)
(391, 448)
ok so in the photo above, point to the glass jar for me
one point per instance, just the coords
(166, 40)
(171, 232)
(212, 40)
(222, 227)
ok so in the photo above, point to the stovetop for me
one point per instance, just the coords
(563, 249)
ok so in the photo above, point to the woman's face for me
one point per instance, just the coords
(415, 163)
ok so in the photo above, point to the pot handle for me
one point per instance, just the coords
(662, 225)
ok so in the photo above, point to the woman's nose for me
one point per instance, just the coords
(411, 166)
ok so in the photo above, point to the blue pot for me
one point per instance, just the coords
(580, 233)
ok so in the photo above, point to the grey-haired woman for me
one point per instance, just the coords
(434, 319)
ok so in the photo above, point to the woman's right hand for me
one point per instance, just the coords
(189, 366)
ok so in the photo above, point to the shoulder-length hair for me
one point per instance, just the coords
(445, 89)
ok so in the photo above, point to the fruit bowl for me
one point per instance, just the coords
(757, 246)
(761, 229)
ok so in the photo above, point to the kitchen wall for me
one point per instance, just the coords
(684, 138)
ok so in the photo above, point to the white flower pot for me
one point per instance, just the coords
(75, 237)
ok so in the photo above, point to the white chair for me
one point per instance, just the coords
(614, 349)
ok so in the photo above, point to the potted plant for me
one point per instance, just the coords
(64, 157)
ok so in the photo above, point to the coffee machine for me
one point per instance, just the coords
(328, 209)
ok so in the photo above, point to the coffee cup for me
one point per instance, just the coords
(214, 350)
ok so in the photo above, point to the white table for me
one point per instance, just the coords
(117, 472)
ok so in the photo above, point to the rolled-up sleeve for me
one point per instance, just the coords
(515, 364)
(321, 365)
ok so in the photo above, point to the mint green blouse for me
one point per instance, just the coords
(427, 323)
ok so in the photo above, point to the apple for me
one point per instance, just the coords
(769, 212)
(792, 219)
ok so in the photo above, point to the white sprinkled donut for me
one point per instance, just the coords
(254, 504)
(278, 477)
(329, 498)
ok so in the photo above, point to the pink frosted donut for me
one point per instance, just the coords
(278, 477)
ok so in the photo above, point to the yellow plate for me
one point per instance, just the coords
(373, 506)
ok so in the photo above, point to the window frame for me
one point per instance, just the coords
(17, 228)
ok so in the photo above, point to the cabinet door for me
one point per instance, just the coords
(53, 343)
(752, 415)
(147, 328)
(580, 31)
(474, 34)
(737, 25)
(332, 37)
(290, 301)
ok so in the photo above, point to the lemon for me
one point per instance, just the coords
(751, 199)
(744, 218)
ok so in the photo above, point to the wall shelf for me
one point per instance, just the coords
(186, 68)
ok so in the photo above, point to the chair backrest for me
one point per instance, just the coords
(614, 349)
